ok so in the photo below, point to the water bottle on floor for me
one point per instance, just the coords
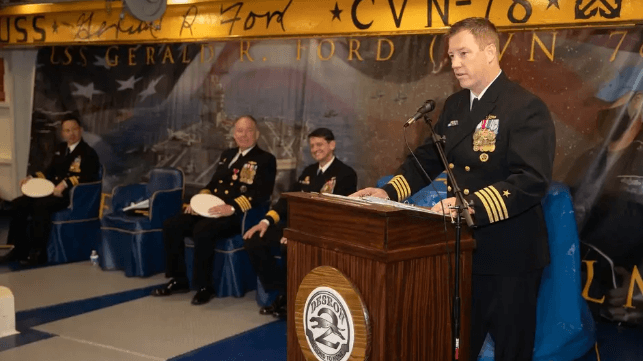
(94, 258)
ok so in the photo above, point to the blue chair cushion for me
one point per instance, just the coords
(127, 222)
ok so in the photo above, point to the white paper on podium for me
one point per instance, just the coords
(385, 202)
(140, 205)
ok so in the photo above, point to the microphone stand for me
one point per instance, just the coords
(462, 208)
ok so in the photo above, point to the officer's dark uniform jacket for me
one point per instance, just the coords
(248, 182)
(80, 166)
(338, 178)
(504, 185)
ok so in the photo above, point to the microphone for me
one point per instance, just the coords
(427, 107)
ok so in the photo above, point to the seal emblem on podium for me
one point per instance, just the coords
(331, 319)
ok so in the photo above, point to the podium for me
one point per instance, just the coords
(398, 259)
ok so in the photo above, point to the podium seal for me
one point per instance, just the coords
(330, 317)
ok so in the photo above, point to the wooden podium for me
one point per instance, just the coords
(398, 261)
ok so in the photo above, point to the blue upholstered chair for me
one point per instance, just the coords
(134, 242)
(565, 329)
(75, 230)
(232, 272)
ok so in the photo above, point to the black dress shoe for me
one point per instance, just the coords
(35, 258)
(203, 296)
(280, 312)
(279, 302)
(172, 287)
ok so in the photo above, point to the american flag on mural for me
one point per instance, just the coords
(120, 93)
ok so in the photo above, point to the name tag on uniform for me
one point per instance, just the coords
(452, 123)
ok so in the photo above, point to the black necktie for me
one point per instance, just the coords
(67, 152)
(235, 159)
(319, 172)
(473, 105)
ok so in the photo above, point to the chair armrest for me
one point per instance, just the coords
(122, 196)
(165, 204)
(85, 200)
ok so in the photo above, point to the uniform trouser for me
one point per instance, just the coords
(40, 210)
(272, 277)
(205, 232)
(505, 307)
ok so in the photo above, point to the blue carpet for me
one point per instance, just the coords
(265, 343)
(38, 316)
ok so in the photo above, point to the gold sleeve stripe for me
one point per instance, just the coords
(494, 202)
(74, 180)
(401, 186)
(205, 191)
(406, 186)
(40, 175)
(243, 203)
(491, 212)
(247, 202)
(240, 203)
(274, 215)
(397, 189)
(500, 200)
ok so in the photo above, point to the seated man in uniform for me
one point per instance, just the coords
(74, 162)
(244, 178)
(328, 175)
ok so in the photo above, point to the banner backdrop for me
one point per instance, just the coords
(148, 106)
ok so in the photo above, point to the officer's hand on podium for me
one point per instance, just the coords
(447, 204)
(283, 240)
(261, 227)
(373, 192)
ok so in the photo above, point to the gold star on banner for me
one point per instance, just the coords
(506, 194)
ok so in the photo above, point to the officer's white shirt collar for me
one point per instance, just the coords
(239, 154)
(479, 96)
(247, 150)
(73, 146)
(323, 169)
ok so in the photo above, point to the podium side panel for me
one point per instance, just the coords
(419, 308)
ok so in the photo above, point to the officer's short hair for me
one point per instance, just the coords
(325, 133)
(482, 30)
(248, 116)
(74, 117)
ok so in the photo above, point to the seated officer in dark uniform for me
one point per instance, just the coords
(328, 175)
(244, 178)
(74, 162)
